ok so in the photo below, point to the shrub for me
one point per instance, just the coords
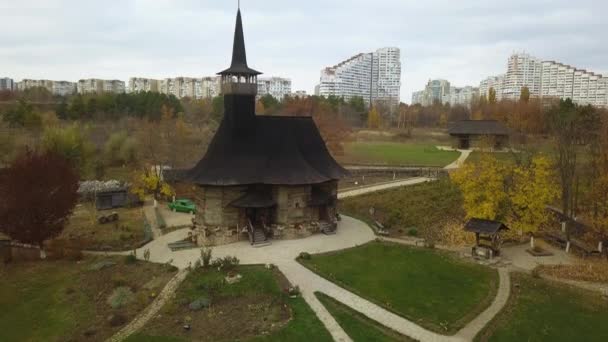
(453, 234)
(206, 256)
(227, 263)
(130, 259)
(120, 297)
(412, 232)
(147, 255)
(305, 256)
(118, 280)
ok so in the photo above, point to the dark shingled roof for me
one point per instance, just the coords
(482, 226)
(478, 127)
(275, 150)
(239, 54)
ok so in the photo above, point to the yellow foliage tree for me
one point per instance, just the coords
(150, 182)
(373, 119)
(534, 187)
(483, 187)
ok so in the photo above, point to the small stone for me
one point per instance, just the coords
(199, 304)
(116, 320)
(187, 327)
(90, 332)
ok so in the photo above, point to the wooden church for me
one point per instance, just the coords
(262, 177)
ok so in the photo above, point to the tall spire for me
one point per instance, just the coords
(239, 54)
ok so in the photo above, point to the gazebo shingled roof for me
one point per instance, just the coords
(478, 127)
(482, 226)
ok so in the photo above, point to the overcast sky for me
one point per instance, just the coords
(462, 41)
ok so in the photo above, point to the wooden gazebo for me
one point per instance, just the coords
(487, 231)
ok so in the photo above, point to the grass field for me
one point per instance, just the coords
(357, 326)
(393, 153)
(539, 310)
(255, 309)
(425, 207)
(61, 300)
(84, 231)
(431, 288)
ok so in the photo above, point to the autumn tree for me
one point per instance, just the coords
(525, 95)
(566, 122)
(373, 119)
(72, 143)
(38, 194)
(483, 188)
(532, 189)
(492, 99)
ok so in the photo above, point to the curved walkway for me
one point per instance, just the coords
(383, 186)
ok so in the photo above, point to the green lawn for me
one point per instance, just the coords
(539, 310)
(357, 326)
(506, 157)
(426, 207)
(255, 309)
(432, 288)
(392, 153)
(60, 300)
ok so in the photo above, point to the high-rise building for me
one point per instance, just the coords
(61, 88)
(547, 79)
(374, 76)
(97, 86)
(435, 91)
(461, 96)
(138, 84)
(492, 82)
(386, 75)
(276, 86)
(523, 70)
(7, 84)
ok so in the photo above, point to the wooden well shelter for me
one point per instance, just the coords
(487, 235)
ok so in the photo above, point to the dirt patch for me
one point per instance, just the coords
(87, 233)
(234, 314)
(592, 271)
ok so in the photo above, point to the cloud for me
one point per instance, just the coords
(462, 41)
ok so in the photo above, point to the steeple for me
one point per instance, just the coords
(239, 65)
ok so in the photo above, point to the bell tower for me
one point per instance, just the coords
(239, 85)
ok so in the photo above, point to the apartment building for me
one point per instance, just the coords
(547, 79)
(278, 87)
(462, 96)
(494, 82)
(374, 76)
(435, 91)
(7, 84)
(61, 88)
(97, 86)
(196, 88)
(138, 84)
(523, 70)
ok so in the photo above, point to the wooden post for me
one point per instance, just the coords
(477, 239)
(531, 241)
(600, 246)
(568, 247)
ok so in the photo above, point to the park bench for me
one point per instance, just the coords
(181, 245)
(584, 247)
(558, 238)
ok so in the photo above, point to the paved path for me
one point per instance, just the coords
(464, 154)
(383, 186)
(152, 309)
(471, 330)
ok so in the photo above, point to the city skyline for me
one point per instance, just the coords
(465, 43)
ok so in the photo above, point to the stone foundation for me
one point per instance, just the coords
(217, 236)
